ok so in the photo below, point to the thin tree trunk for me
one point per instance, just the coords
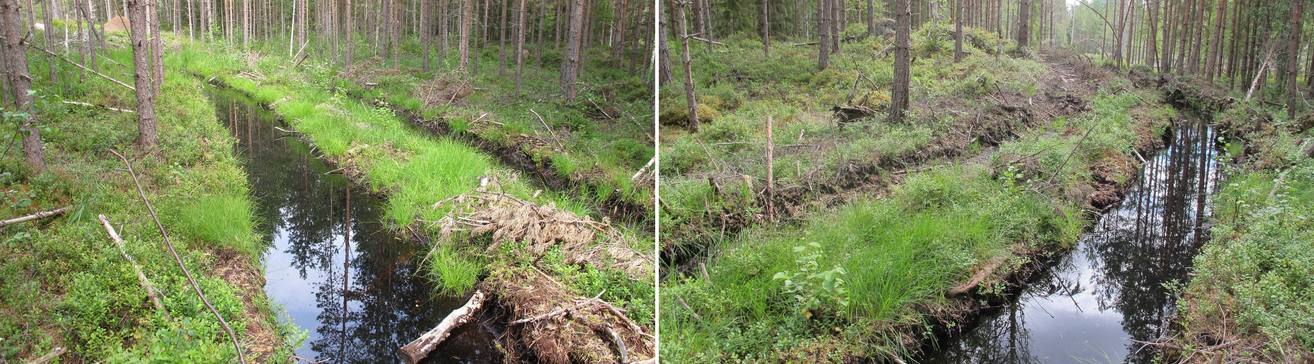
(501, 41)
(1293, 59)
(15, 60)
(570, 61)
(463, 46)
(520, 45)
(958, 30)
(690, 97)
(823, 30)
(902, 34)
(50, 40)
(141, 58)
(766, 28)
(1023, 23)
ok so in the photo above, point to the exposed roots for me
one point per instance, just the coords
(551, 325)
(509, 219)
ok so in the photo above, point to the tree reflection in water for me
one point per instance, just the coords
(365, 306)
(1112, 290)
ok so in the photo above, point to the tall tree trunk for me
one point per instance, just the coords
(1152, 12)
(463, 46)
(823, 30)
(570, 60)
(1293, 59)
(520, 45)
(871, 18)
(688, 65)
(501, 41)
(902, 34)
(15, 60)
(1212, 64)
(50, 40)
(958, 30)
(350, 44)
(664, 51)
(425, 32)
(141, 59)
(1023, 23)
(766, 28)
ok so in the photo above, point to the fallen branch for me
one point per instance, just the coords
(94, 72)
(706, 40)
(178, 259)
(39, 215)
(549, 129)
(59, 350)
(418, 349)
(145, 283)
(88, 104)
(644, 170)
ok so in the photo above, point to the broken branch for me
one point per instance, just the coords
(39, 215)
(417, 350)
(178, 259)
(94, 72)
(145, 283)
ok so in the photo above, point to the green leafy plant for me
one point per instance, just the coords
(814, 289)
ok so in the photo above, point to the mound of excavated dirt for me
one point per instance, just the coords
(550, 325)
(509, 219)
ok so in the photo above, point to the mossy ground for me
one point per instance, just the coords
(62, 283)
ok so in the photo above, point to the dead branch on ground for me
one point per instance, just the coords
(418, 349)
(141, 277)
(36, 216)
(178, 259)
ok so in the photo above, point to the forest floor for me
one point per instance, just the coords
(895, 230)
(492, 226)
(1250, 295)
(64, 284)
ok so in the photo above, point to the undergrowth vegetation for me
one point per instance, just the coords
(62, 282)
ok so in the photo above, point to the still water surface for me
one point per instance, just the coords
(1112, 290)
(355, 287)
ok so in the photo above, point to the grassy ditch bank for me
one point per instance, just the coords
(1250, 295)
(594, 146)
(534, 251)
(62, 282)
(876, 277)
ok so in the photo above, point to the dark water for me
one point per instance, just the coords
(357, 289)
(1111, 291)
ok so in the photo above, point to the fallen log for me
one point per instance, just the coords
(418, 349)
(141, 277)
(59, 350)
(39, 215)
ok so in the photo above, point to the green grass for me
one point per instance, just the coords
(62, 283)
